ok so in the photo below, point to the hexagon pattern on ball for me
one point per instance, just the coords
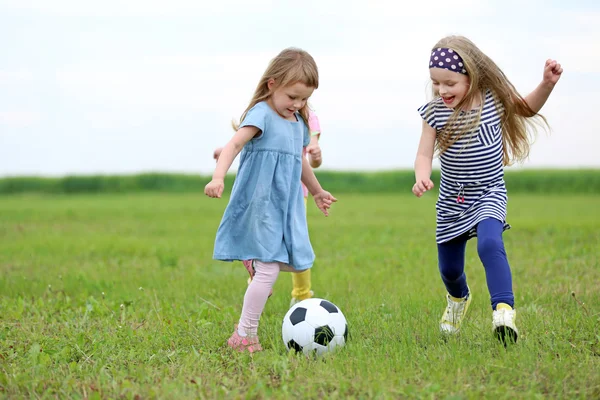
(314, 326)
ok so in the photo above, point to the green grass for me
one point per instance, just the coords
(116, 296)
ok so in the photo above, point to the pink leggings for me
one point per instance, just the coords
(258, 293)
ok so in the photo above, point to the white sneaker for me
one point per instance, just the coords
(454, 314)
(295, 300)
(503, 321)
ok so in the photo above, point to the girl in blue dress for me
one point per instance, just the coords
(264, 224)
(477, 122)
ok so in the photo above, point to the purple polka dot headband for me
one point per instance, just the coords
(447, 59)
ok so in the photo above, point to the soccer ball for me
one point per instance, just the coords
(314, 326)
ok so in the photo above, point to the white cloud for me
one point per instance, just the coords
(15, 77)
(19, 119)
(391, 9)
(128, 84)
(120, 8)
(577, 52)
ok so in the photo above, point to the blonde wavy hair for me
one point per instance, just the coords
(518, 128)
(289, 67)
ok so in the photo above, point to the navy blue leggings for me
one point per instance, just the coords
(490, 247)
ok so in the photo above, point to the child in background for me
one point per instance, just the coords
(301, 281)
(264, 224)
(477, 123)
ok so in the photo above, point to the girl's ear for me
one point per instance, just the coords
(271, 84)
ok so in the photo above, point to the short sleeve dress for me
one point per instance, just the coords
(265, 219)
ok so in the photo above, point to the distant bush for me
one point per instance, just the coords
(530, 181)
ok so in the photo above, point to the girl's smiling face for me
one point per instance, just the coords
(289, 99)
(451, 86)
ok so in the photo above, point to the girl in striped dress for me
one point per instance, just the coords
(478, 123)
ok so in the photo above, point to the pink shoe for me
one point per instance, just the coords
(249, 265)
(241, 344)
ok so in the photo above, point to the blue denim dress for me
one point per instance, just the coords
(266, 218)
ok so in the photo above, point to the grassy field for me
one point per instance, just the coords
(116, 296)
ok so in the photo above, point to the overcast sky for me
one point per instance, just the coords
(118, 86)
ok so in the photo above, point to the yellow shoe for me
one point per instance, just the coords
(454, 314)
(503, 323)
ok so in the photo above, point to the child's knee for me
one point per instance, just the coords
(266, 272)
(451, 270)
(489, 246)
(451, 274)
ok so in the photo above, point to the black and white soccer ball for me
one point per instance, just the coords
(314, 326)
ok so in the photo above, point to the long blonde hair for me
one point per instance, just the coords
(485, 75)
(289, 67)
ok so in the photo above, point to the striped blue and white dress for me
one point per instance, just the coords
(472, 185)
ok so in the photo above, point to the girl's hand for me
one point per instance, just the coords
(214, 188)
(422, 186)
(552, 72)
(324, 199)
(314, 151)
